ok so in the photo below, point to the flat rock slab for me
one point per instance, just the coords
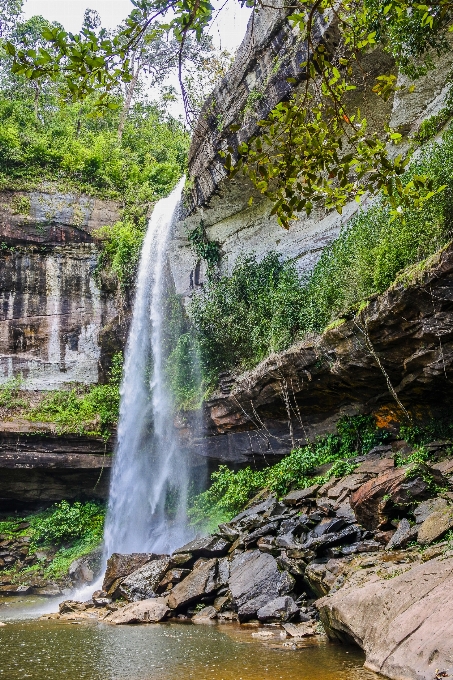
(300, 495)
(404, 625)
(208, 546)
(146, 611)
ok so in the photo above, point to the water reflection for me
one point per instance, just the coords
(52, 650)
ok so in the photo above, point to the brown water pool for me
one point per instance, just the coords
(54, 650)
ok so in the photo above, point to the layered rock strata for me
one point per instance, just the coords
(396, 354)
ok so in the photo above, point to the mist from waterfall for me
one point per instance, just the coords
(148, 489)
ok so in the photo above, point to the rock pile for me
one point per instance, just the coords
(272, 561)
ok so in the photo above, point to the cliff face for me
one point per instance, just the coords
(396, 354)
(57, 326)
(270, 53)
(52, 310)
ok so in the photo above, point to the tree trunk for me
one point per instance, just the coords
(128, 101)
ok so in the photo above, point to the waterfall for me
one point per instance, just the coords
(148, 489)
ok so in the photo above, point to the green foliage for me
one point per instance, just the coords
(422, 433)
(9, 394)
(65, 144)
(121, 246)
(206, 250)
(83, 409)
(242, 318)
(230, 491)
(74, 528)
(66, 522)
(264, 307)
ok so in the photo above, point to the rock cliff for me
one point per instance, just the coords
(57, 326)
(269, 54)
(52, 310)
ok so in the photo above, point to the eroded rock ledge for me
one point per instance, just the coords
(408, 330)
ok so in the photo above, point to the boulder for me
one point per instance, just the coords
(435, 525)
(205, 615)
(270, 528)
(207, 546)
(425, 509)
(119, 566)
(142, 584)
(404, 625)
(256, 580)
(301, 630)
(371, 500)
(203, 580)
(345, 485)
(402, 535)
(80, 572)
(173, 576)
(278, 610)
(147, 611)
(15, 590)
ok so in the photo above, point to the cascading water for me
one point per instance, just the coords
(148, 490)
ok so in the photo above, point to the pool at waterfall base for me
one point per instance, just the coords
(42, 649)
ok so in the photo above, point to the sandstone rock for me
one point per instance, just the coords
(146, 611)
(300, 495)
(119, 566)
(404, 625)
(426, 508)
(207, 546)
(205, 615)
(344, 486)
(280, 609)
(376, 467)
(301, 630)
(70, 606)
(435, 525)
(173, 576)
(402, 535)
(142, 584)
(371, 500)
(201, 581)
(255, 580)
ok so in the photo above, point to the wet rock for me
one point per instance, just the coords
(402, 536)
(100, 599)
(280, 609)
(349, 534)
(301, 630)
(329, 526)
(15, 590)
(51, 590)
(80, 572)
(71, 606)
(251, 538)
(208, 546)
(142, 584)
(146, 611)
(294, 567)
(203, 580)
(205, 615)
(266, 544)
(425, 509)
(435, 526)
(255, 580)
(119, 566)
(299, 496)
(360, 547)
(220, 603)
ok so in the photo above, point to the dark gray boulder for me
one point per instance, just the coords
(143, 583)
(280, 609)
(256, 580)
(402, 535)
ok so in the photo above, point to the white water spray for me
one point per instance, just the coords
(148, 489)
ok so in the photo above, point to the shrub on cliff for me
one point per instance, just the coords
(230, 491)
